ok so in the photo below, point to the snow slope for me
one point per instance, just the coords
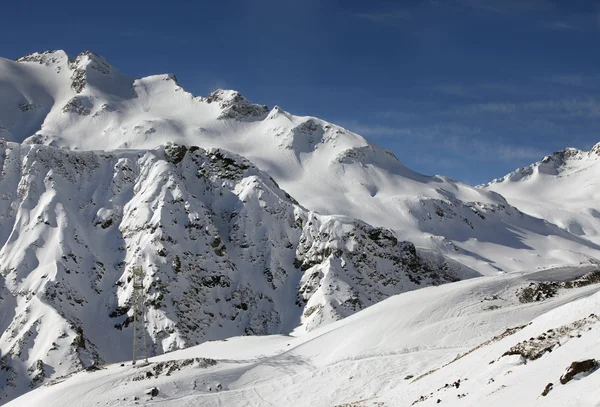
(563, 188)
(225, 252)
(475, 342)
(92, 185)
(85, 103)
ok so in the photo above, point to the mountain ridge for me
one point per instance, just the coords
(327, 168)
(224, 251)
(247, 220)
(561, 188)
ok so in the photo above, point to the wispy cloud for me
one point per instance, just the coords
(508, 7)
(507, 151)
(568, 108)
(563, 25)
(497, 108)
(377, 130)
(583, 81)
(483, 149)
(586, 21)
(391, 16)
(546, 13)
(462, 141)
(482, 90)
(453, 90)
(399, 116)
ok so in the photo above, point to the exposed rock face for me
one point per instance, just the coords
(78, 105)
(47, 58)
(540, 291)
(579, 367)
(235, 106)
(82, 64)
(224, 249)
(535, 348)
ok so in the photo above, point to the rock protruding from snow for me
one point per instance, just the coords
(82, 64)
(225, 252)
(582, 367)
(236, 106)
(46, 58)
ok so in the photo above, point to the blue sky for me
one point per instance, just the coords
(471, 89)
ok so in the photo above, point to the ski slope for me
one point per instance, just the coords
(391, 354)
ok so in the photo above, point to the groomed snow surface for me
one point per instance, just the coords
(395, 353)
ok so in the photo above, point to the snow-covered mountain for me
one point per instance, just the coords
(85, 103)
(563, 188)
(225, 251)
(247, 221)
(492, 341)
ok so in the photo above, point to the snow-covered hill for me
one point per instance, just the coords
(491, 341)
(563, 188)
(225, 251)
(85, 103)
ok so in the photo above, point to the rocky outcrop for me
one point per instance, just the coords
(579, 367)
(224, 251)
(236, 106)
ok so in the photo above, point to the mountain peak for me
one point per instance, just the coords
(85, 63)
(91, 60)
(574, 154)
(236, 106)
(47, 58)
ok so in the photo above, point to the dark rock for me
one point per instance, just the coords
(577, 367)
(547, 389)
(79, 339)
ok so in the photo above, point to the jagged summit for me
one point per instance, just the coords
(562, 188)
(90, 105)
(553, 164)
(236, 106)
(83, 64)
(46, 57)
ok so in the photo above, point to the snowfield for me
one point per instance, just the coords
(414, 346)
(563, 188)
(287, 261)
